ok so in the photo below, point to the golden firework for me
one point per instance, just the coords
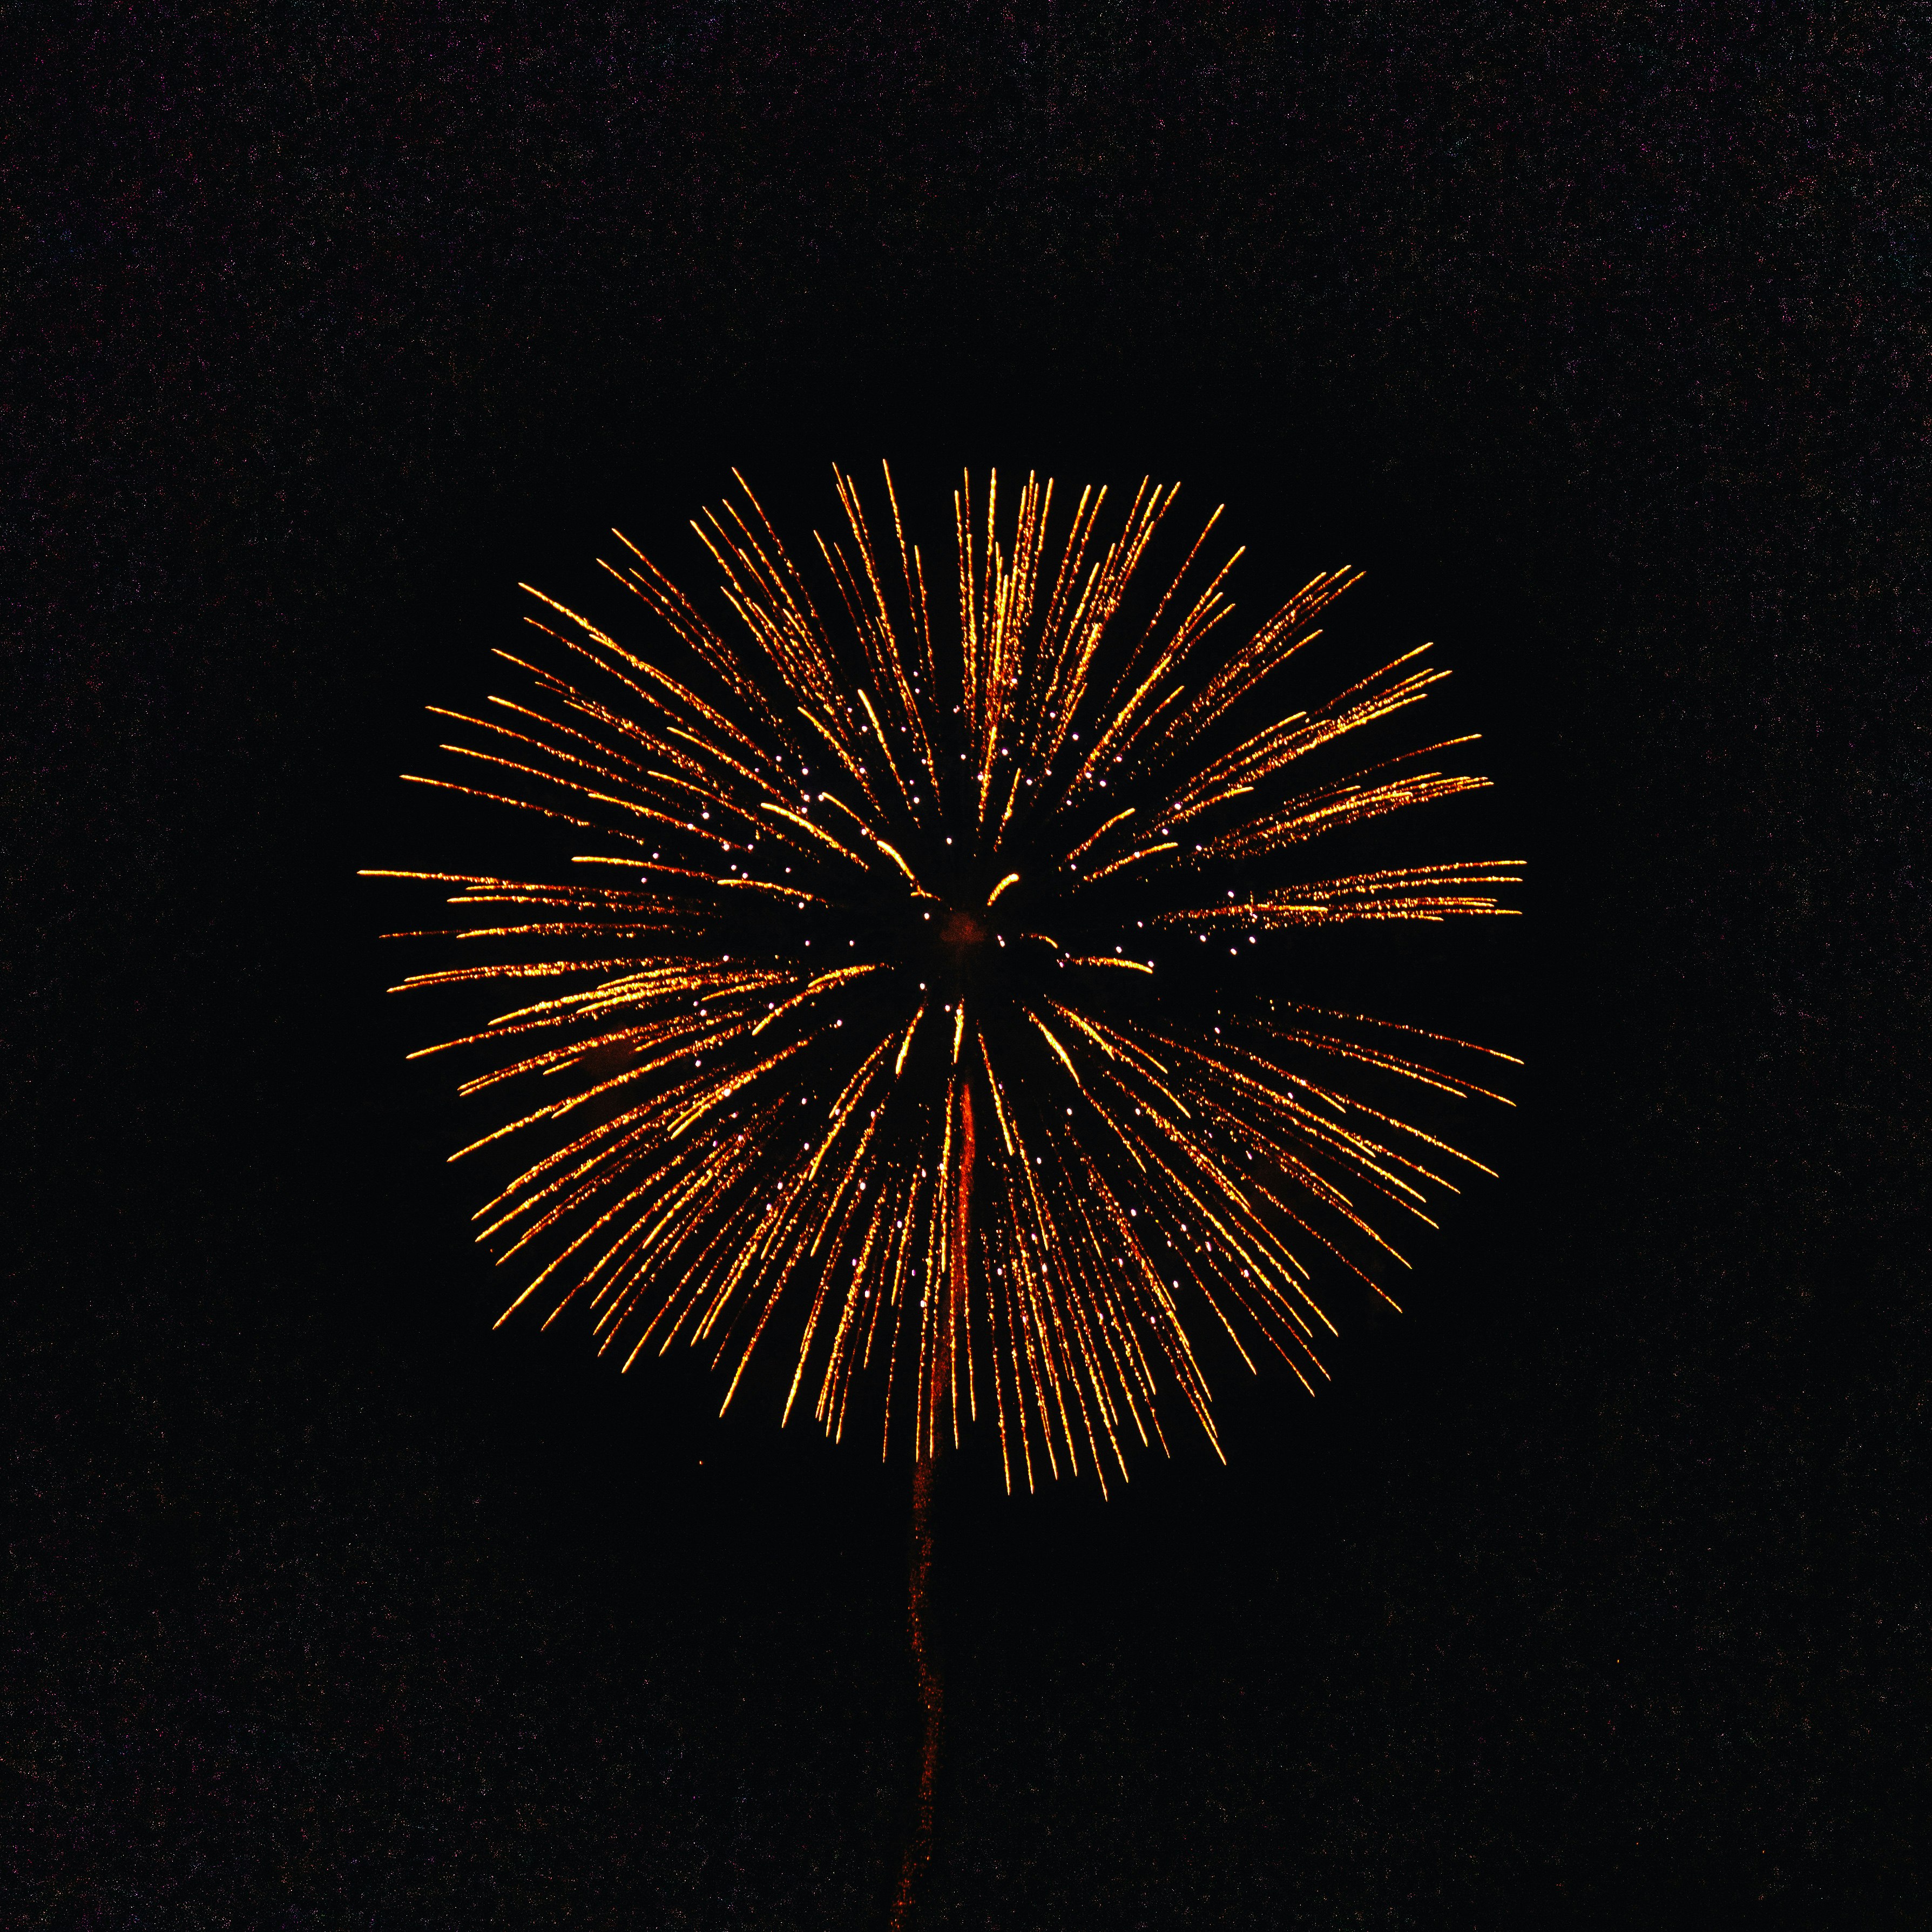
(885, 1006)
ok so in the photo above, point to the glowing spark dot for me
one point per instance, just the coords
(955, 1237)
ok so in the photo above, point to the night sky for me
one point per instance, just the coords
(1595, 1592)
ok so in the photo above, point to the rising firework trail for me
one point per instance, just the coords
(897, 893)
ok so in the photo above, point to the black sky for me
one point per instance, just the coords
(1596, 1589)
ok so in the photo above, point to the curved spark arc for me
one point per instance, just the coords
(732, 1128)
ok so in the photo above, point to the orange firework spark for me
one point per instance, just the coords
(985, 1142)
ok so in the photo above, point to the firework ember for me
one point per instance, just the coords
(884, 1015)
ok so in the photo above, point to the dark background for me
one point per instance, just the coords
(1596, 1591)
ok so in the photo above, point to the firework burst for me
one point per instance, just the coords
(883, 1007)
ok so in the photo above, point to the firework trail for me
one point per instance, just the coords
(888, 901)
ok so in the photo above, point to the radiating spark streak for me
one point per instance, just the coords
(817, 985)
(1422, 892)
(1059, 1051)
(726, 1089)
(1132, 858)
(886, 749)
(545, 970)
(778, 889)
(1011, 879)
(833, 799)
(497, 798)
(633, 774)
(817, 832)
(1421, 1032)
(1409, 1069)
(1094, 838)
(999, 1102)
(856, 770)
(1075, 1020)
(892, 852)
(905, 1046)
(1309, 816)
